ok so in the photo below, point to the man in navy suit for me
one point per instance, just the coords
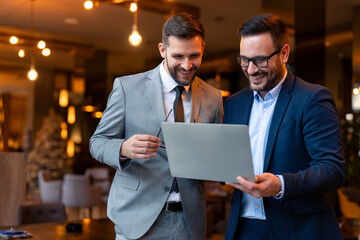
(295, 140)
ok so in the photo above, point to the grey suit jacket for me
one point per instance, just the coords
(141, 186)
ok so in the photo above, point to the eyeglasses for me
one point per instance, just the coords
(258, 61)
(163, 144)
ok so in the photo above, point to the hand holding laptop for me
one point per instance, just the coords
(266, 185)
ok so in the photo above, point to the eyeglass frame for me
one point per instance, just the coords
(254, 59)
(161, 141)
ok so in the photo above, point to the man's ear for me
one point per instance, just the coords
(162, 50)
(285, 53)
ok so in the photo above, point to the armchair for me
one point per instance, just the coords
(50, 190)
(77, 192)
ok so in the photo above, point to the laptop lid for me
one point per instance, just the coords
(215, 152)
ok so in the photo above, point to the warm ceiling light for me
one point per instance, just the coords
(133, 7)
(135, 38)
(46, 52)
(88, 5)
(89, 108)
(32, 74)
(14, 40)
(21, 53)
(41, 44)
(71, 115)
(356, 91)
(70, 148)
(97, 114)
(64, 132)
(63, 98)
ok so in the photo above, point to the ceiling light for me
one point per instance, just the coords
(21, 53)
(97, 114)
(356, 91)
(46, 52)
(63, 98)
(32, 74)
(14, 40)
(70, 148)
(135, 38)
(71, 118)
(89, 108)
(133, 7)
(88, 5)
(64, 131)
(41, 44)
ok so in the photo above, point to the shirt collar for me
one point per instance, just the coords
(168, 82)
(273, 93)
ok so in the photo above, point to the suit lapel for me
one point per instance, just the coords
(155, 94)
(279, 112)
(196, 95)
(246, 108)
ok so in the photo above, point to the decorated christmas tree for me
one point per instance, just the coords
(49, 152)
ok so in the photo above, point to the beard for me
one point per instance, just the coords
(270, 81)
(179, 79)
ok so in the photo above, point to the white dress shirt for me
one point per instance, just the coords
(168, 88)
(259, 124)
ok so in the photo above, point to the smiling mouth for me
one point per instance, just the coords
(185, 72)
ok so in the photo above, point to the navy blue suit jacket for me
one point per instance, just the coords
(305, 146)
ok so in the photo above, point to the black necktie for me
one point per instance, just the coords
(179, 117)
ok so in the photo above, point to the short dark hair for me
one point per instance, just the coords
(266, 23)
(182, 25)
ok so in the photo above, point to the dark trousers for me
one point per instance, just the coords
(252, 229)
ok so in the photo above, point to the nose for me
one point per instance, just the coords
(186, 64)
(252, 68)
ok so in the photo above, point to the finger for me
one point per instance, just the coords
(244, 182)
(143, 137)
(235, 185)
(146, 144)
(145, 150)
(144, 156)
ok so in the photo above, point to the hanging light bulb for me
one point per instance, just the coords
(64, 131)
(63, 98)
(46, 52)
(14, 40)
(88, 5)
(135, 38)
(71, 118)
(41, 44)
(133, 7)
(355, 90)
(32, 73)
(70, 148)
(21, 53)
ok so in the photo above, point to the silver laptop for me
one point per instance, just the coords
(215, 152)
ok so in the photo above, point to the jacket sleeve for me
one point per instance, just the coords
(106, 142)
(322, 139)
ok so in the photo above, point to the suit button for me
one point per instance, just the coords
(167, 189)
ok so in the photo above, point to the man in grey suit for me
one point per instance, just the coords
(143, 202)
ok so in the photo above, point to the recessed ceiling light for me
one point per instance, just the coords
(72, 21)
